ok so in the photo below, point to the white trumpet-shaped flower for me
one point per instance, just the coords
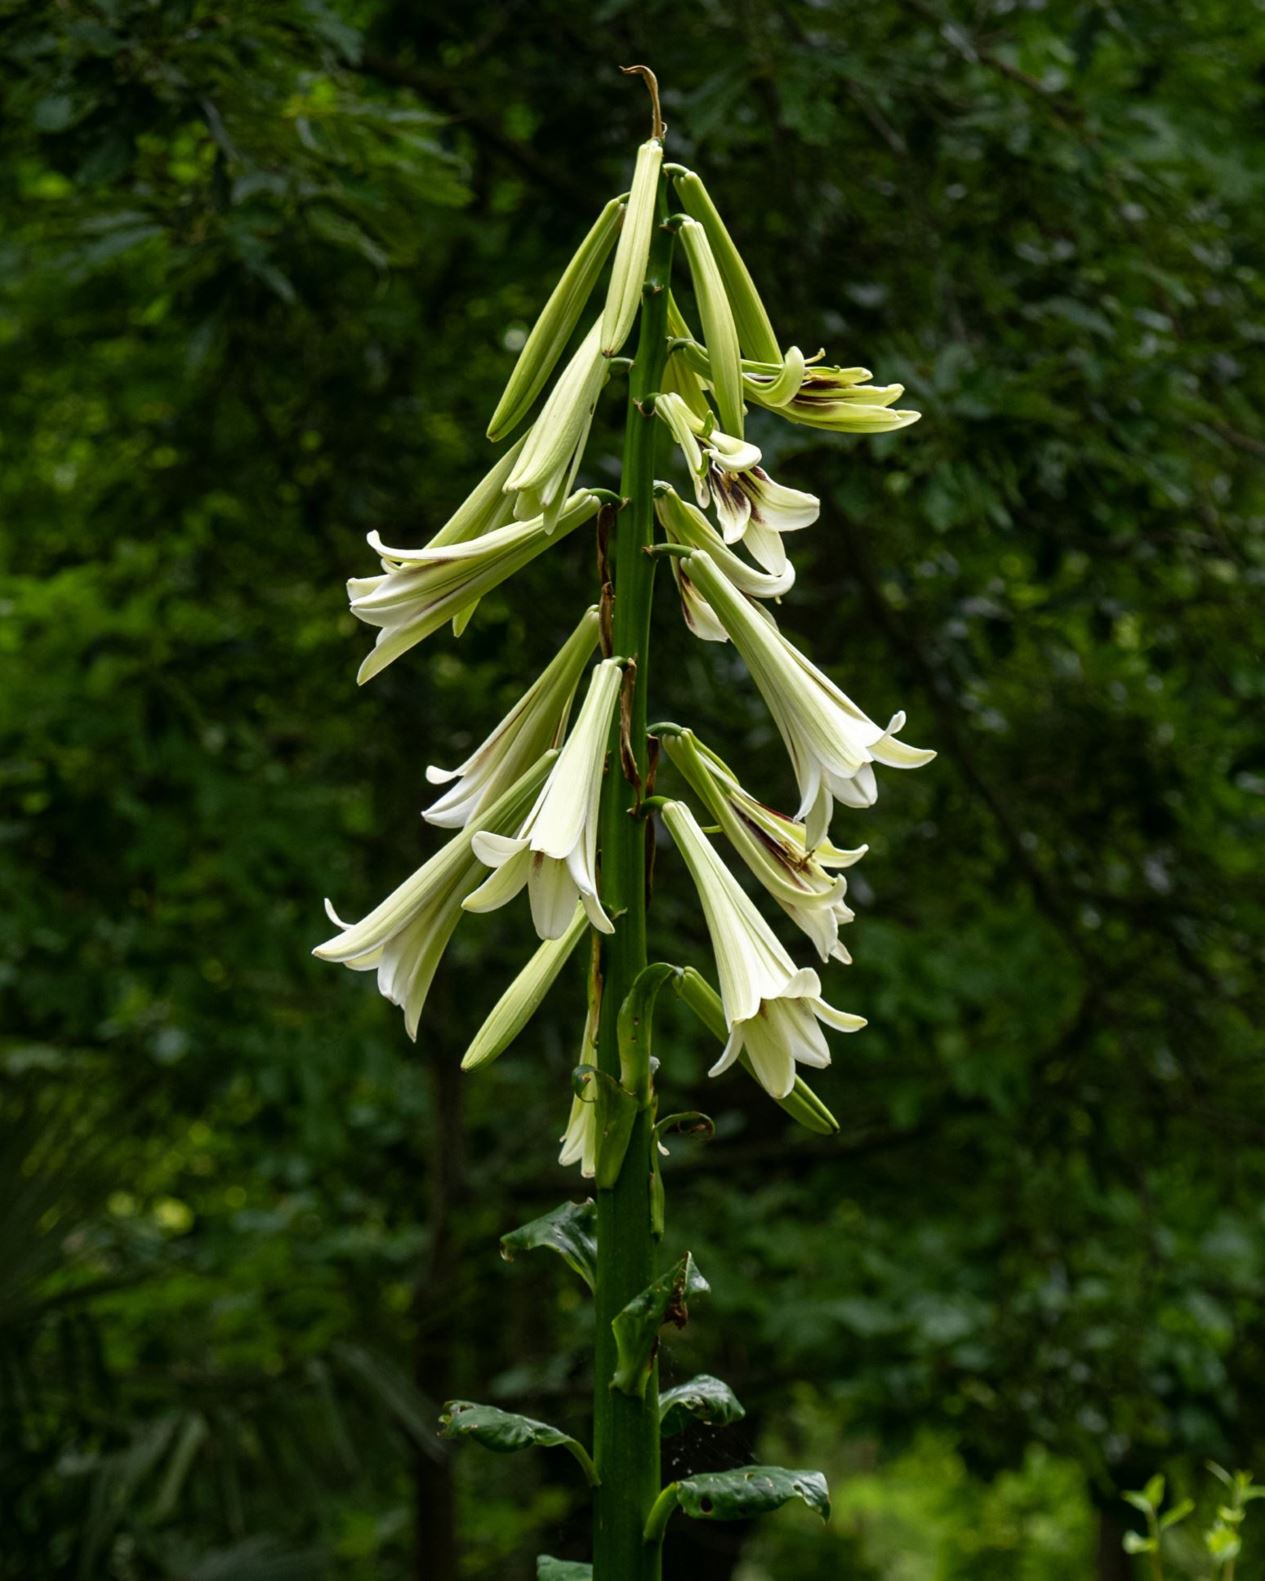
(536, 722)
(750, 506)
(754, 510)
(404, 938)
(841, 400)
(422, 588)
(706, 449)
(773, 1009)
(805, 883)
(832, 744)
(685, 524)
(555, 851)
(550, 457)
(805, 390)
(520, 1001)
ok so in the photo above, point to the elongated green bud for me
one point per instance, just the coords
(801, 1103)
(754, 329)
(551, 453)
(628, 274)
(560, 315)
(679, 378)
(719, 331)
(520, 1001)
(486, 507)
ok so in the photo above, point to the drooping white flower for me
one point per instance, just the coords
(754, 510)
(404, 938)
(422, 588)
(536, 722)
(805, 883)
(520, 1001)
(805, 390)
(579, 1140)
(704, 447)
(555, 851)
(750, 506)
(685, 524)
(832, 744)
(841, 400)
(773, 1009)
(550, 457)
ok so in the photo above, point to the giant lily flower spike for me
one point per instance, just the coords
(404, 938)
(422, 588)
(806, 884)
(773, 1010)
(536, 722)
(555, 851)
(832, 744)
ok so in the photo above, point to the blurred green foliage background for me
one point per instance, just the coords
(259, 269)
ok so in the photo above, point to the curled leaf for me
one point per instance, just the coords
(705, 1399)
(637, 1327)
(570, 1230)
(504, 1433)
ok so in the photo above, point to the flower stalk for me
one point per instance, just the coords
(626, 1429)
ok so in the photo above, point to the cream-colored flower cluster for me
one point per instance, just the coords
(524, 804)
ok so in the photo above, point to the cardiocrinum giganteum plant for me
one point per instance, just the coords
(556, 799)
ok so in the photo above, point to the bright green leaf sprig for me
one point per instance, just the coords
(1223, 1539)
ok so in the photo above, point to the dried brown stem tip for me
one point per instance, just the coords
(658, 126)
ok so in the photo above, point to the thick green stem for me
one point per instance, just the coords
(626, 1429)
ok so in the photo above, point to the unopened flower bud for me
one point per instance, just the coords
(550, 457)
(719, 332)
(558, 318)
(520, 1001)
(755, 332)
(628, 273)
(536, 722)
